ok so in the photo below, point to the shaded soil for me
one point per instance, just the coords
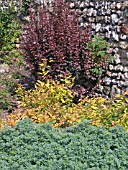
(18, 74)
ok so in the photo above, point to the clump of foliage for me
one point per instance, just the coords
(50, 101)
(5, 101)
(25, 7)
(100, 111)
(35, 146)
(100, 55)
(9, 28)
(105, 112)
(53, 101)
(55, 34)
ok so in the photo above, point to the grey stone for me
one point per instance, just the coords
(106, 90)
(113, 5)
(125, 4)
(100, 89)
(107, 27)
(123, 45)
(108, 12)
(118, 5)
(111, 67)
(109, 5)
(97, 5)
(114, 18)
(98, 27)
(126, 75)
(114, 82)
(99, 12)
(107, 19)
(87, 4)
(90, 12)
(114, 90)
(119, 68)
(115, 36)
(93, 26)
(114, 75)
(107, 81)
(105, 6)
(120, 14)
(117, 59)
(114, 44)
(120, 22)
(108, 34)
(91, 19)
(118, 29)
(82, 5)
(4, 68)
(99, 18)
(115, 50)
(121, 83)
(81, 24)
(108, 73)
(126, 84)
(91, 4)
(121, 76)
(125, 69)
(85, 10)
(127, 54)
(123, 37)
(94, 13)
(72, 5)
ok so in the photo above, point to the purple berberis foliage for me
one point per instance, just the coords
(56, 35)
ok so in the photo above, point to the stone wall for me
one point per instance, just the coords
(110, 20)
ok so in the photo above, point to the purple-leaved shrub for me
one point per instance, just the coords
(56, 35)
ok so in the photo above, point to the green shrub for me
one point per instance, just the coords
(34, 146)
(25, 6)
(9, 29)
(50, 101)
(53, 101)
(105, 112)
(99, 46)
(5, 101)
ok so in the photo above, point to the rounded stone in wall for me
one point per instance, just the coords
(114, 90)
(114, 82)
(111, 67)
(121, 83)
(126, 75)
(108, 73)
(106, 90)
(126, 84)
(114, 75)
(4, 68)
(107, 81)
(120, 76)
(119, 68)
(123, 45)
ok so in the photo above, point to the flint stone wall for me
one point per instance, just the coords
(110, 20)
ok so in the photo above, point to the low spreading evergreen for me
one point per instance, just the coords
(40, 146)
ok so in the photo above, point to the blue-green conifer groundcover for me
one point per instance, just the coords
(82, 147)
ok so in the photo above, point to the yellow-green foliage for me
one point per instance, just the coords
(53, 101)
(0, 123)
(102, 112)
(105, 112)
(47, 92)
(49, 101)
